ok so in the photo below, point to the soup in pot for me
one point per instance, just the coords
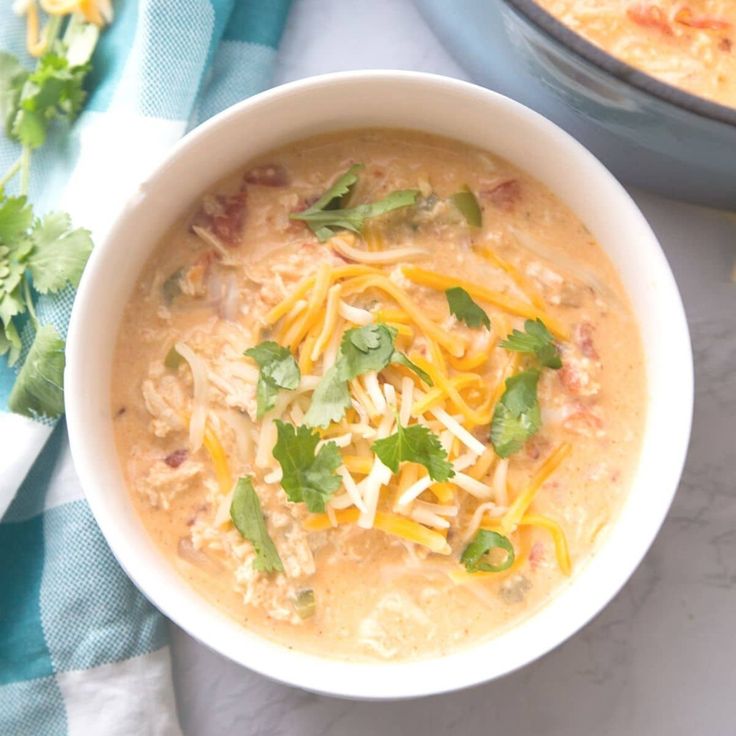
(686, 44)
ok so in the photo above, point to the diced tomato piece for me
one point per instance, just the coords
(536, 554)
(504, 195)
(686, 17)
(649, 16)
(176, 458)
(223, 215)
(583, 337)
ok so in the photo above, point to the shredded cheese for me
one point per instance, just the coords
(525, 499)
(497, 298)
(558, 537)
(452, 343)
(453, 426)
(397, 526)
(330, 321)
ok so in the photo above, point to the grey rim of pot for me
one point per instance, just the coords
(591, 53)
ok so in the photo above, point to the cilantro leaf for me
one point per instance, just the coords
(415, 444)
(246, 514)
(12, 77)
(325, 223)
(485, 542)
(59, 253)
(365, 349)
(308, 476)
(329, 400)
(38, 389)
(468, 206)
(16, 217)
(339, 191)
(327, 215)
(279, 369)
(362, 350)
(517, 416)
(401, 359)
(535, 340)
(54, 89)
(10, 342)
(465, 309)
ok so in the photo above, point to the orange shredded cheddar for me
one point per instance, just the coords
(525, 499)
(497, 298)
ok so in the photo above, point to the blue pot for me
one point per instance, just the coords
(650, 134)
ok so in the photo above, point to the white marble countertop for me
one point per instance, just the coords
(660, 658)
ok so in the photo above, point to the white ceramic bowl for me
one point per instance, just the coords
(401, 100)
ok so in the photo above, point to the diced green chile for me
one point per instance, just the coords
(305, 603)
(173, 359)
(171, 288)
(475, 556)
(468, 206)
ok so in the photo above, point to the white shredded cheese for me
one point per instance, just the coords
(473, 444)
(407, 398)
(351, 488)
(200, 398)
(472, 486)
(356, 315)
(370, 488)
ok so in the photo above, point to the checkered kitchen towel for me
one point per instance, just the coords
(81, 651)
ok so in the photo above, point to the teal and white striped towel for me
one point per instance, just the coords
(81, 651)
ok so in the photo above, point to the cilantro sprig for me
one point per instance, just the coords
(362, 350)
(308, 475)
(415, 444)
(39, 255)
(279, 370)
(535, 340)
(246, 515)
(517, 416)
(328, 214)
(466, 310)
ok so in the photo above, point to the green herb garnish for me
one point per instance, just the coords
(279, 370)
(461, 305)
(535, 340)
(307, 475)
(362, 350)
(517, 416)
(328, 215)
(38, 389)
(415, 444)
(468, 206)
(476, 554)
(39, 255)
(246, 514)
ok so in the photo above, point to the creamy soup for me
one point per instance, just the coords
(378, 395)
(686, 44)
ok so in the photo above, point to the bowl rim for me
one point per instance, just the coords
(377, 681)
(553, 28)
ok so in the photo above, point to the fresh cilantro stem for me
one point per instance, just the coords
(25, 169)
(29, 304)
(11, 172)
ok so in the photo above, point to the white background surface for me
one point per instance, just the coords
(661, 658)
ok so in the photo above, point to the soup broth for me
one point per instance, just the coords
(441, 417)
